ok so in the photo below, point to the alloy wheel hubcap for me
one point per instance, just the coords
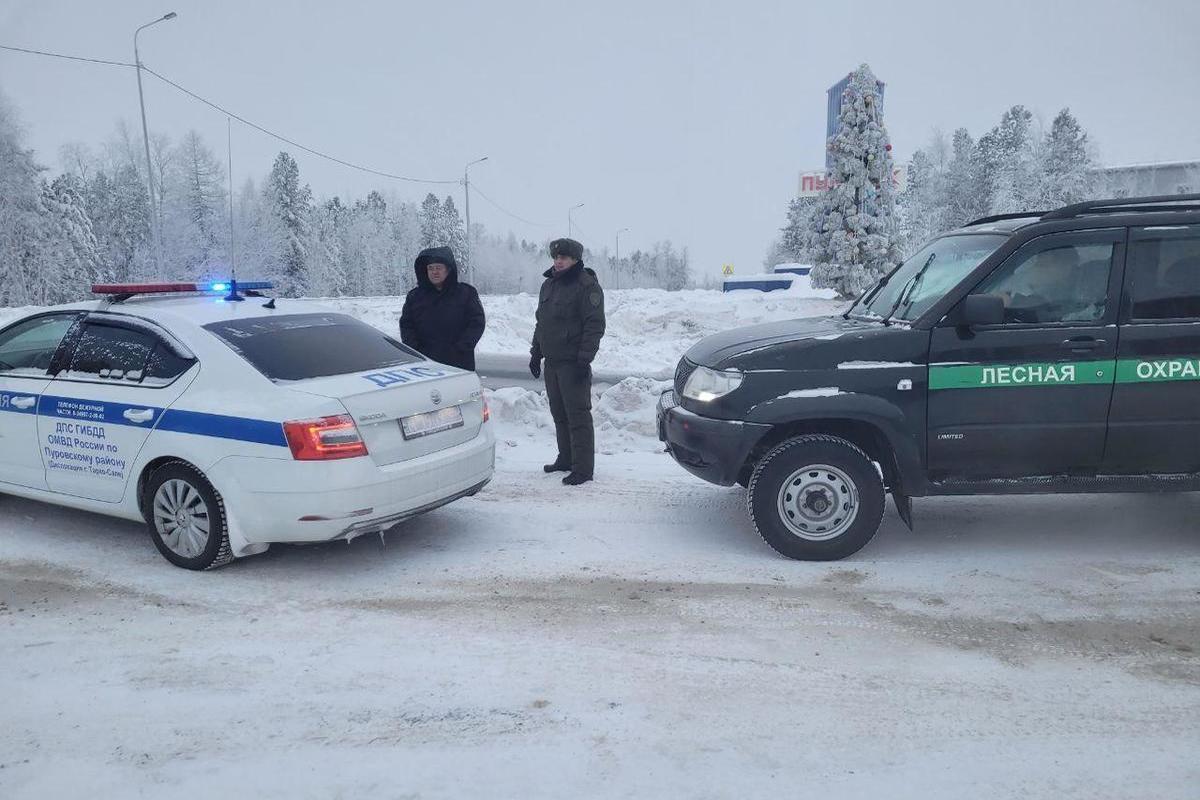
(181, 518)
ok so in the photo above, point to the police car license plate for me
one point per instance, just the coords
(419, 425)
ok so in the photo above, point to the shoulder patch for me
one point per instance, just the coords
(596, 299)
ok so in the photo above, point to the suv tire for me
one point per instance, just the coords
(816, 498)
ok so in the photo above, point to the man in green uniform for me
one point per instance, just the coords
(570, 322)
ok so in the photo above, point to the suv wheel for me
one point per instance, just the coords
(816, 498)
(186, 517)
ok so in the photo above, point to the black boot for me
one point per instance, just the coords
(557, 466)
(576, 478)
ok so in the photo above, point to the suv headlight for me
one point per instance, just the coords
(708, 384)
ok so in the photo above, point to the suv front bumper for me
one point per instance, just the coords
(714, 450)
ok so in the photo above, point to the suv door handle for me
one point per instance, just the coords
(1084, 344)
(138, 415)
(23, 402)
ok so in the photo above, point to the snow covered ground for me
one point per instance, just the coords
(632, 638)
(629, 638)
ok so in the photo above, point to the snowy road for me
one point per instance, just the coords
(630, 638)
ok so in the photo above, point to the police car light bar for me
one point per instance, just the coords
(124, 290)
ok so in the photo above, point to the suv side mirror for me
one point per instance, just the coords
(981, 309)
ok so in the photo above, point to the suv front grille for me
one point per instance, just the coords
(682, 372)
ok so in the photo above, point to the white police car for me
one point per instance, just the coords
(228, 422)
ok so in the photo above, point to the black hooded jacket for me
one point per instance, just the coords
(444, 324)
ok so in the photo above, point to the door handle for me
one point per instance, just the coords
(138, 415)
(1082, 345)
(23, 402)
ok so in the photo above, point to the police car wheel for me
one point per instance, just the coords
(186, 517)
(816, 498)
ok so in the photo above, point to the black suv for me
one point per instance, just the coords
(1023, 353)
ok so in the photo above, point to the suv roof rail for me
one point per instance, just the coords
(1119, 204)
(999, 217)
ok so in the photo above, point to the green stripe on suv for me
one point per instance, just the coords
(1063, 373)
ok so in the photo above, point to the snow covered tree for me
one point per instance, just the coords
(372, 248)
(406, 234)
(1066, 164)
(290, 203)
(433, 233)
(195, 236)
(21, 212)
(1009, 166)
(259, 235)
(855, 238)
(924, 205)
(965, 198)
(330, 269)
(795, 237)
(452, 224)
(74, 250)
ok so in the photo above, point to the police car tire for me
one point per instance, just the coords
(762, 496)
(217, 552)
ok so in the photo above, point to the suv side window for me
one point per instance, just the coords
(1165, 274)
(1064, 283)
(28, 348)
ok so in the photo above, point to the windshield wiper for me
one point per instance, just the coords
(908, 290)
(869, 295)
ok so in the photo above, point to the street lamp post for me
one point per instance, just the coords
(570, 222)
(617, 265)
(467, 209)
(154, 220)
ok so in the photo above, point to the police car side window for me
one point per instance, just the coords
(111, 353)
(165, 365)
(1063, 284)
(1165, 274)
(27, 348)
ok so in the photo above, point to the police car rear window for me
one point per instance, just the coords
(295, 347)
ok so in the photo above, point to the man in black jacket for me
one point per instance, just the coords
(570, 322)
(442, 318)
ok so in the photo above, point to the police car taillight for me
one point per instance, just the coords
(324, 439)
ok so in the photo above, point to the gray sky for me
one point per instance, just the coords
(680, 120)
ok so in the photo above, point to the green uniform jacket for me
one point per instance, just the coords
(570, 316)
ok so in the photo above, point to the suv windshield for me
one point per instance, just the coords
(294, 347)
(927, 275)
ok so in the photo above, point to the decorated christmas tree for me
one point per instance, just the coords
(855, 234)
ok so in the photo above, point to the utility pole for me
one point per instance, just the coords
(570, 222)
(467, 210)
(617, 266)
(229, 151)
(155, 222)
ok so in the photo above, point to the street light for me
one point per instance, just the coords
(617, 265)
(570, 222)
(154, 220)
(467, 192)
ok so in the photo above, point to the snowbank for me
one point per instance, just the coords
(648, 329)
(624, 416)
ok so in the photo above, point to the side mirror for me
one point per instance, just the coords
(981, 309)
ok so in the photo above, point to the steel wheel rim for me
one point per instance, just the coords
(818, 502)
(181, 518)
